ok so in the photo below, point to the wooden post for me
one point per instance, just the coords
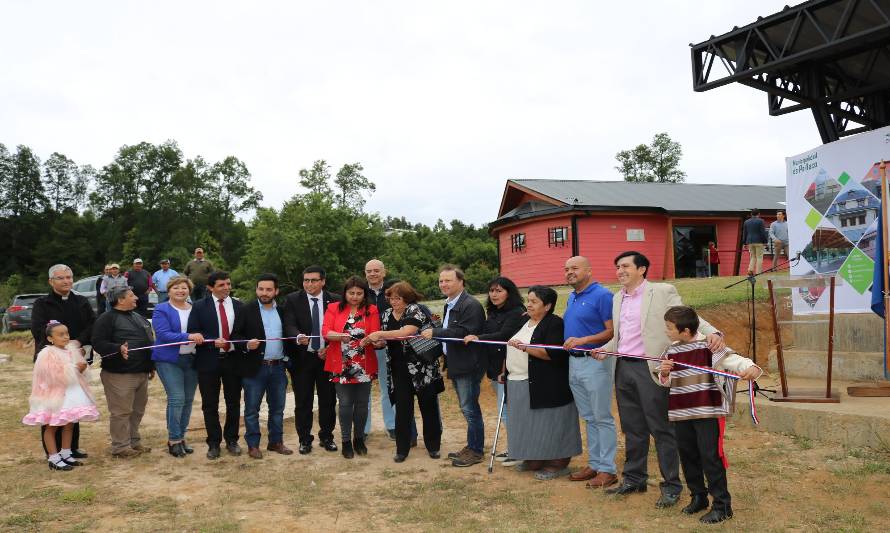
(886, 264)
(780, 359)
(830, 337)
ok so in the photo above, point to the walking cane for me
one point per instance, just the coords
(497, 432)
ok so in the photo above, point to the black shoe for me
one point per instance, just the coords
(625, 488)
(391, 433)
(329, 446)
(176, 450)
(71, 461)
(359, 445)
(64, 466)
(399, 458)
(699, 503)
(717, 514)
(305, 449)
(667, 500)
(186, 448)
(434, 454)
(347, 450)
(79, 454)
(213, 452)
(233, 448)
(414, 442)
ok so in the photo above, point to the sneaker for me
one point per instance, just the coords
(460, 453)
(501, 456)
(468, 459)
(510, 461)
(142, 449)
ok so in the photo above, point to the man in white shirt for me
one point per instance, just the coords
(214, 318)
(303, 315)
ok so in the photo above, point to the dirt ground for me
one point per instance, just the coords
(778, 482)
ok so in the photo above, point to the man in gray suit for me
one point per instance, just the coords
(463, 316)
(638, 318)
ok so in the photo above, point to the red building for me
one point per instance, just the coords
(541, 223)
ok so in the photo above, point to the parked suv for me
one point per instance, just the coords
(86, 287)
(17, 317)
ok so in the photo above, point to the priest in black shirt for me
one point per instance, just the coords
(65, 306)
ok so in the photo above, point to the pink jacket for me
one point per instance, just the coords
(54, 371)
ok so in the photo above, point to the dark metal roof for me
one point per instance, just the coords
(693, 199)
(829, 56)
(670, 197)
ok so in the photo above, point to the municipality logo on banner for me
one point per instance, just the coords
(833, 196)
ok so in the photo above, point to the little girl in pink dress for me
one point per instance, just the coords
(60, 395)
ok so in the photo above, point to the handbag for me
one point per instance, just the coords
(426, 350)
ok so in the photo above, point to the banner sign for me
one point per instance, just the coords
(833, 197)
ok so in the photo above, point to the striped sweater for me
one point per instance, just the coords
(698, 394)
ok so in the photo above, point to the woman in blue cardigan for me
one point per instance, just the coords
(174, 364)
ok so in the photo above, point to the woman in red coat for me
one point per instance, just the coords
(352, 363)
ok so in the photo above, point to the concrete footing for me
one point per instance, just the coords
(854, 422)
(849, 366)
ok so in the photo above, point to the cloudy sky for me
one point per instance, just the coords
(442, 102)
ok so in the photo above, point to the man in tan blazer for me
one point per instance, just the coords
(638, 317)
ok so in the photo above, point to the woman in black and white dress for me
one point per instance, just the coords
(409, 377)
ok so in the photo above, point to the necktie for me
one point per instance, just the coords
(315, 343)
(224, 320)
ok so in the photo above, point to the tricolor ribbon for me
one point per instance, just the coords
(709, 370)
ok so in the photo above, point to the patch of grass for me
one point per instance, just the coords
(848, 521)
(27, 520)
(84, 496)
(162, 504)
(804, 443)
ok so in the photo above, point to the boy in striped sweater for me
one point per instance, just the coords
(697, 404)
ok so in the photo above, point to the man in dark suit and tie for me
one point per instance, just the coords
(264, 356)
(303, 315)
(214, 317)
(463, 316)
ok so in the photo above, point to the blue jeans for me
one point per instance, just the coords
(467, 389)
(270, 381)
(591, 384)
(180, 381)
(162, 296)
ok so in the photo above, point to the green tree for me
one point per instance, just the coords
(351, 186)
(317, 178)
(64, 182)
(657, 162)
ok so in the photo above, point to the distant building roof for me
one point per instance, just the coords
(555, 196)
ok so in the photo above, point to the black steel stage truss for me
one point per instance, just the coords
(829, 56)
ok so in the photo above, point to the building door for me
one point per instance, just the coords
(691, 250)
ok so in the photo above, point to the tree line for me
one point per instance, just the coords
(152, 202)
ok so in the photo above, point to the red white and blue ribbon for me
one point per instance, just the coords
(709, 370)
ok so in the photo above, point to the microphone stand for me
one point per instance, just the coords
(752, 280)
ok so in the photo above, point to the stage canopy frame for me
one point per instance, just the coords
(829, 56)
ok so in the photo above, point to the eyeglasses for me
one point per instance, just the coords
(62, 278)
(311, 280)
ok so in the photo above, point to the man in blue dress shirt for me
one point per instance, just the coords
(263, 366)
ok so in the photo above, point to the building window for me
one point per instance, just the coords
(517, 242)
(861, 219)
(557, 236)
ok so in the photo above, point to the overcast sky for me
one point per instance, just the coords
(442, 102)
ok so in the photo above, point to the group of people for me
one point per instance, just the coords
(142, 282)
(756, 236)
(547, 371)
